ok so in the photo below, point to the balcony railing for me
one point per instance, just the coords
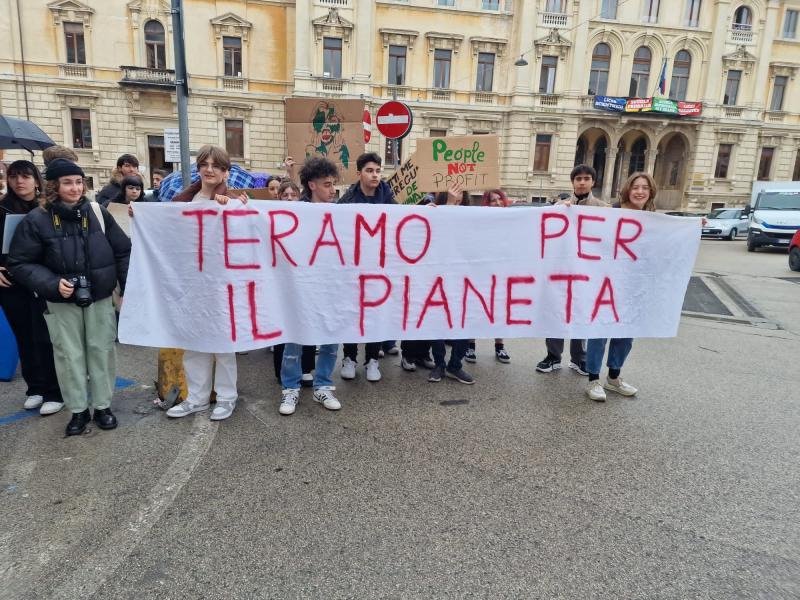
(402, 92)
(734, 112)
(335, 3)
(147, 77)
(440, 95)
(332, 85)
(70, 70)
(233, 83)
(483, 98)
(548, 100)
(741, 33)
(554, 19)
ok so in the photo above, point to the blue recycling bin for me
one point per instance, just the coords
(9, 356)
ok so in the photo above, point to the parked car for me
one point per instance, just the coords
(681, 213)
(794, 252)
(725, 223)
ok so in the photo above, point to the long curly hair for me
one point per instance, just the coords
(51, 189)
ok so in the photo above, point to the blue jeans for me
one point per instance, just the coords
(292, 370)
(457, 353)
(618, 351)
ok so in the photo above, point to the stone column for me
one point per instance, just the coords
(650, 156)
(761, 83)
(579, 74)
(363, 40)
(524, 20)
(712, 92)
(303, 42)
(610, 171)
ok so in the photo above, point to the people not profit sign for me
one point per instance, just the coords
(247, 276)
(394, 120)
(471, 161)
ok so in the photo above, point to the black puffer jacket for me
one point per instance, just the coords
(40, 257)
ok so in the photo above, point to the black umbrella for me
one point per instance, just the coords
(26, 135)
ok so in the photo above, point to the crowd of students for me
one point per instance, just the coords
(68, 257)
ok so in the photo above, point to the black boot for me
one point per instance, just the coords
(104, 418)
(77, 424)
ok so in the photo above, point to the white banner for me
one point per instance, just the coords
(221, 279)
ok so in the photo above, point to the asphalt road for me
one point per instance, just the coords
(516, 487)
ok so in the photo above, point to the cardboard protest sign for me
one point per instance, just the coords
(473, 161)
(120, 213)
(326, 127)
(404, 183)
(272, 272)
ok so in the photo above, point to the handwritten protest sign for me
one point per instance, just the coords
(241, 277)
(404, 183)
(469, 160)
(326, 127)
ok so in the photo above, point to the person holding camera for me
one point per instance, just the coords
(24, 309)
(72, 253)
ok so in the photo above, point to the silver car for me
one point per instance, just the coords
(725, 223)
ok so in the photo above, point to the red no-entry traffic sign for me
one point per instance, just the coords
(367, 126)
(394, 120)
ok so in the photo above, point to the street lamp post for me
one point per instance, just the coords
(181, 88)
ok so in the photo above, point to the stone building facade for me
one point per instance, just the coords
(98, 76)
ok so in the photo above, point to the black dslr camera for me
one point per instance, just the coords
(83, 291)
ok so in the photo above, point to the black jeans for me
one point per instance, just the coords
(307, 360)
(24, 313)
(370, 350)
(577, 349)
(457, 352)
(415, 350)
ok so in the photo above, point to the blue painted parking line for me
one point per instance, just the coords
(17, 416)
(120, 384)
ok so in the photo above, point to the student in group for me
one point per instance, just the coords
(72, 253)
(638, 193)
(204, 369)
(288, 190)
(158, 177)
(583, 178)
(274, 186)
(131, 191)
(127, 164)
(23, 308)
(496, 198)
(369, 189)
(51, 153)
(416, 353)
(454, 196)
(318, 177)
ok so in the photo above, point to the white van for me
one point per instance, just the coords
(774, 218)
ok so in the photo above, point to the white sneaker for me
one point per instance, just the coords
(619, 386)
(186, 408)
(407, 365)
(595, 391)
(32, 402)
(222, 410)
(348, 369)
(289, 400)
(325, 397)
(50, 408)
(373, 370)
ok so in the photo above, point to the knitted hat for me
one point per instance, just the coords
(61, 167)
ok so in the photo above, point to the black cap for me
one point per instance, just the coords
(61, 167)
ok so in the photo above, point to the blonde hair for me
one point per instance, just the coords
(625, 192)
(219, 156)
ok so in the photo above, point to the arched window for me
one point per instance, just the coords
(601, 61)
(638, 151)
(680, 75)
(743, 19)
(640, 75)
(155, 45)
